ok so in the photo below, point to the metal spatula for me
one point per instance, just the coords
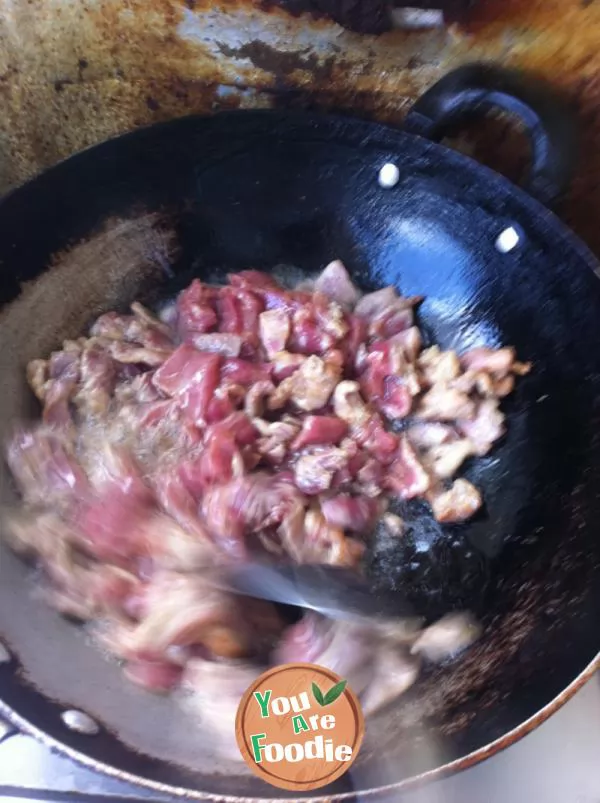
(333, 591)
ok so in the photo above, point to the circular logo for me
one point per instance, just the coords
(299, 726)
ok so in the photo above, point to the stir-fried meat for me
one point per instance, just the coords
(449, 635)
(274, 329)
(394, 673)
(227, 345)
(438, 366)
(353, 513)
(336, 284)
(247, 418)
(320, 429)
(393, 524)
(314, 471)
(309, 388)
(184, 610)
(445, 460)
(44, 467)
(486, 426)
(445, 403)
(98, 376)
(406, 476)
(257, 398)
(458, 503)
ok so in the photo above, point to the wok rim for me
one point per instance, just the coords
(455, 159)
(436, 774)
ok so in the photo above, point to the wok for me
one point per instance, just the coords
(140, 215)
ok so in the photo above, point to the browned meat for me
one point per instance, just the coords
(445, 403)
(309, 388)
(246, 417)
(453, 633)
(458, 503)
(314, 471)
(486, 426)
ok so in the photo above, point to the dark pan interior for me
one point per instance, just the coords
(141, 215)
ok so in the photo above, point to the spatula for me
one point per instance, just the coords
(336, 592)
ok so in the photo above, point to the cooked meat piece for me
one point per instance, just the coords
(336, 284)
(276, 437)
(274, 328)
(245, 505)
(98, 377)
(156, 676)
(411, 342)
(37, 377)
(346, 649)
(460, 502)
(36, 531)
(285, 363)
(354, 513)
(191, 376)
(330, 318)
(227, 345)
(445, 460)
(439, 366)
(393, 524)
(314, 472)
(257, 398)
(349, 405)
(184, 610)
(319, 430)
(45, 468)
(427, 434)
(406, 477)
(242, 372)
(326, 543)
(444, 403)
(387, 312)
(141, 328)
(176, 549)
(369, 478)
(394, 673)
(137, 390)
(485, 427)
(309, 388)
(498, 362)
(450, 635)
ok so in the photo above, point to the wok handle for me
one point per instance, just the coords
(473, 90)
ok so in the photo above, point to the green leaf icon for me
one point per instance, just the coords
(318, 694)
(334, 692)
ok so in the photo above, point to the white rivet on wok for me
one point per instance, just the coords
(80, 722)
(5, 656)
(507, 240)
(389, 176)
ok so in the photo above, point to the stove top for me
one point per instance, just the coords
(557, 763)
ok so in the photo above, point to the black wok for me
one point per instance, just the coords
(138, 216)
